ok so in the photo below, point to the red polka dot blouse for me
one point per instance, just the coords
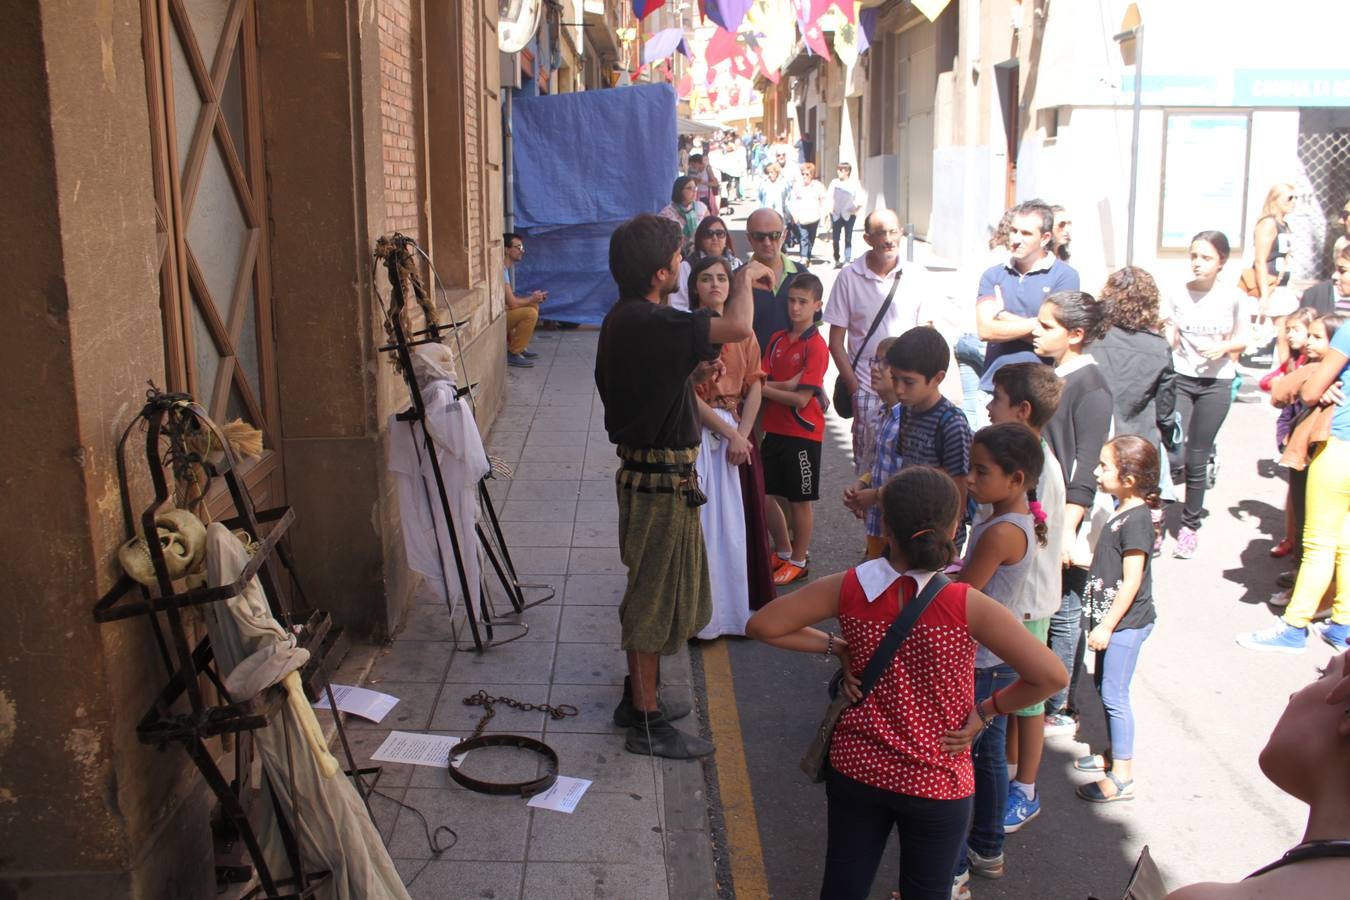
(892, 740)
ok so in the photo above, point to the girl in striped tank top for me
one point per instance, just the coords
(900, 758)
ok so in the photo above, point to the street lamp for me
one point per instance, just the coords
(1131, 41)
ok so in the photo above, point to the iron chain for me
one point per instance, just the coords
(488, 702)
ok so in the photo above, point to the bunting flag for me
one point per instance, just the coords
(931, 8)
(727, 13)
(867, 27)
(848, 9)
(663, 44)
(772, 35)
(847, 36)
(644, 8)
(723, 45)
(814, 38)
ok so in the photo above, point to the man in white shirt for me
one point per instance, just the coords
(846, 199)
(855, 299)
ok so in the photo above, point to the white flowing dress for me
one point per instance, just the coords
(724, 533)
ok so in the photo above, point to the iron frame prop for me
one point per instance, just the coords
(400, 249)
(165, 417)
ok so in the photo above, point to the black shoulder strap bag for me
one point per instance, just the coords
(843, 400)
(817, 755)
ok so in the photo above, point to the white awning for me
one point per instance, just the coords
(689, 126)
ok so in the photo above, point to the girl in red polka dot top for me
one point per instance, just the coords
(901, 758)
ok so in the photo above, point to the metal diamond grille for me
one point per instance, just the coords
(1324, 155)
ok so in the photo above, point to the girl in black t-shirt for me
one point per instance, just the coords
(1118, 606)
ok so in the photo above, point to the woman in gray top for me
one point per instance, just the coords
(1136, 361)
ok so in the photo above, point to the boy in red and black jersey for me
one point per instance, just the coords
(794, 418)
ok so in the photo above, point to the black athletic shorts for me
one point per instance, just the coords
(791, 467)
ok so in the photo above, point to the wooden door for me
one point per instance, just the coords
(210, 193)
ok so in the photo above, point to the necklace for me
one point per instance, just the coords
(1307, 850)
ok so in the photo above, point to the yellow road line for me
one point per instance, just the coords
(733, 779)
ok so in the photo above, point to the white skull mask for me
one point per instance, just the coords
(182, 540)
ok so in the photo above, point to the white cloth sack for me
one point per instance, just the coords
(333, 830)
(464, 464)
(723, 518)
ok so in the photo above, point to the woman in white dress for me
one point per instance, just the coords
(728, 404)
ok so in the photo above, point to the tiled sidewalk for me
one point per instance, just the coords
(641, 830)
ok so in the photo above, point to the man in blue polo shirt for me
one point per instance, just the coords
(1011, 294)
(765, 229)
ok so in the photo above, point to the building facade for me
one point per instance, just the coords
(199, 186)
(998, 101)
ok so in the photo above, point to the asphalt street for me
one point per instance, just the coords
(1204, 708)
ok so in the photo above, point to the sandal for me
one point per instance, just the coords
(1095, 762)
(1093, 793)
(1282, 549)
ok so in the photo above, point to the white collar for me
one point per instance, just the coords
(1082, 362)
(877, 575)
(860, 266)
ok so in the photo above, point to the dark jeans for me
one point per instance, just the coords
(1112, 674)
(806, 234)
(838, 225)
(1067, 639)
(1203, 404)
(989, 756)
(860, 822)
(1298, 505)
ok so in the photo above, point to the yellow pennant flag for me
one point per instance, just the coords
(846, 35)
(931, 8)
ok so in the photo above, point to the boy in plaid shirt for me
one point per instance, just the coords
(880, 460)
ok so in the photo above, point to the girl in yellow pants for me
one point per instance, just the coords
(1326, 531)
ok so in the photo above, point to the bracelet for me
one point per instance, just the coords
(829, 645)
(985, 721)
(993, 701)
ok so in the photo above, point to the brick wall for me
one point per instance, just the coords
(401, 188)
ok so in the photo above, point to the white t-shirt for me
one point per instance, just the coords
(845, 197)
(1202, 319)
(856, 296)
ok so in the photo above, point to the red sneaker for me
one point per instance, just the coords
(788, 572)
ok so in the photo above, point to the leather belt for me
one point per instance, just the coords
(651, 468)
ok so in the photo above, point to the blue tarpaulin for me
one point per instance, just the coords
(583, 163)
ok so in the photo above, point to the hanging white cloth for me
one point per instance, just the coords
(723, 518)
(463, 463)
(332, 828)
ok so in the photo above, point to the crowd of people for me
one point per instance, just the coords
(1029, 461)
(781, 177)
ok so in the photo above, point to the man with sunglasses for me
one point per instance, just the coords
(765, 228)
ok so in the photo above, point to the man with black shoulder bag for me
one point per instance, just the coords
(868, 304)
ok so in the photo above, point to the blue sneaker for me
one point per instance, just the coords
(1021, 809)
(1334, 633)
(1278, 638)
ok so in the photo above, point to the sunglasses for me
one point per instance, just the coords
(716, 233)
(765, 235)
